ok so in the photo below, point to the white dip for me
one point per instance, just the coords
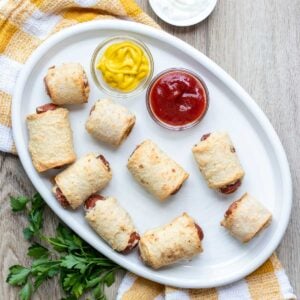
(180, 10)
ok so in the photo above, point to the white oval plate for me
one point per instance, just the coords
(224, 260)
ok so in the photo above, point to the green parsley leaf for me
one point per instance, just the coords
(37, 251)
(98, 293)
(28, 233)
(66, 239)
(39, 280)
(69, 261)
(57, 244)
(93, 282)
(70, 280)
(26, 291)
(37, 202)
(64, 232)
(44, 266)
(77, 242)
(17, 275)
(109, 278)
(72, 261)
(53, 271)
(70, 298)
(41, 275)
(77, 289)
(18, 203)
(35, 219)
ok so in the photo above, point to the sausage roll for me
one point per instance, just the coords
(67, 84)
(50, 138)
(245, 218)
(86, 176)
(178, 240)
(111, 221)
(218, 162)
(110, 122)
(155, 171)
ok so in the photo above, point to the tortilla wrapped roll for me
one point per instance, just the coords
(67, 84)
(109, 122)
(111, 221)
(165, 245)
(218, 162)
(155, 171)
(86, 176)
(50, 138)
(245, 218)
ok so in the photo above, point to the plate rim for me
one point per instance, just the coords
(217, 71)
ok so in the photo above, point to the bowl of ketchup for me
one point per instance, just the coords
(177, 99)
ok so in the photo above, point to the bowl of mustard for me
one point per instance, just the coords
(122, 66)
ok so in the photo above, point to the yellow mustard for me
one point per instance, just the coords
(124, 65)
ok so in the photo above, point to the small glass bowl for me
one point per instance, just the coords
(166, 125)
(97, 74)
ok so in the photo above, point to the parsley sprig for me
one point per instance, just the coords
(80, 268)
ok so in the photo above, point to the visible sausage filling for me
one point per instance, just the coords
(232, 207)
(127, 132)
(106, 163)
(176, 190)
(85, 81)
(138, 146)
(86, 86)
(230, 188)
(92, 109)
(61, 198)
(46, 107)
(133, 242)
(90, 202)
(200, 232)
(205, 136)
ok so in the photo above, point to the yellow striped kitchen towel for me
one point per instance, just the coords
(269, 282)
(25, 24)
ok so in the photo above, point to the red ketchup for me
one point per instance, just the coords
(178, 99)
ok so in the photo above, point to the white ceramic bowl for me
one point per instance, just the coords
(188, 22)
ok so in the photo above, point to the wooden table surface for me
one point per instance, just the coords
(258, 43)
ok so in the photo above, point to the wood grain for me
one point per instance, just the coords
(258, 43)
